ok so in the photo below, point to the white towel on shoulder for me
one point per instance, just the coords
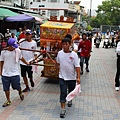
(17, 53)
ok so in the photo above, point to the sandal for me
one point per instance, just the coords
(7, 103)
(21, 96)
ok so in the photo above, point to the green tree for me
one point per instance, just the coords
(109, 12)
(88, 27)
(95, 22)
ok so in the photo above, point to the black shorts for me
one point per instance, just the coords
(26, 69)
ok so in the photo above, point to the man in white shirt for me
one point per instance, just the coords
(117, 82)
(10, 69)
(28, 55)
(69, 72)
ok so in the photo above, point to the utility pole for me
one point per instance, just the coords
(22, 3)
(90, 11)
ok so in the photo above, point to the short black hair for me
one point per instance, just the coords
(68, 36)
(84, 34)
(66, 39)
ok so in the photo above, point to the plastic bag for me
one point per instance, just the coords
(75, 92)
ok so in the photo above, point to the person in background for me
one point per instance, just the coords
(38, 32)
(117, 81)
(85, 46)
(3, 44)
(13, 36)
(69, 72)
(19, 32)
(1, 38)
(22, 35)
(7, 35)
(28, 55)
(9, 69)
(117, 38)
(90, 36)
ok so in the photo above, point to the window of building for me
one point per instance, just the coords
(43, 12)
(57, 1)
(7, 0)
(53, 13)
(43, 0)
(38, 0)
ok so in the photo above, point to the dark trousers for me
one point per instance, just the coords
(64, 85)
(82, 60)
(117, 82)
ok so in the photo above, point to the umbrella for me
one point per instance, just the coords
(20, 17)
(6, 13)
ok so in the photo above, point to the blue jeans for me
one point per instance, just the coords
(13, 80)
(82, 60)
(70, 84)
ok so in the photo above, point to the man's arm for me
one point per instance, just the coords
(23, 60)
(78, 75)
(1, 67)
(117, 38)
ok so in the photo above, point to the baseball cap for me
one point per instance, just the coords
(12, 42)
(28, 31)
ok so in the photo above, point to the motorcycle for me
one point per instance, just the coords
(113, 42)
(97, 42)
(107, 43)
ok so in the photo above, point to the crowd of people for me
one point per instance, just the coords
(20, 34)
(69, 70)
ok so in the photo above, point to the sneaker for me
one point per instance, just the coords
(63, 113)
(7, 103)
(87, 70)
(70, 103)
(81, 72)
(27, 89)
(117, 88)
(32, 83)
(21, 96)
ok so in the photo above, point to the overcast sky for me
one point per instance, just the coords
(95, 3)
(86, 3)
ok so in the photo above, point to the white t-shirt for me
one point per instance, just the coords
(75, 46)
(10, 66)
(68, 62)
(118, 48)
(77, 42)
(28, 55)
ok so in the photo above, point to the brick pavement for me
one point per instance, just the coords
(97, 101)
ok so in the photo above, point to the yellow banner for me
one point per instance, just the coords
(63, 25)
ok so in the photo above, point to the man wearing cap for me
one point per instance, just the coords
(9, 70)
(28, 55)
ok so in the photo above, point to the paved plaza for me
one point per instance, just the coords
(97, 101)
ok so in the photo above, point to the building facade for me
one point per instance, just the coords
(50, 7)
(7, 2)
